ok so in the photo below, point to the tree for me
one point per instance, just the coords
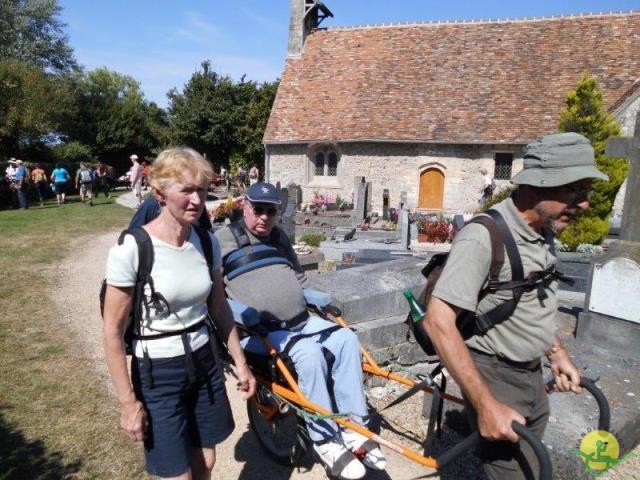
(223, 119)
(31, 32)
(585, 114)
(32, 105)
(111, 115)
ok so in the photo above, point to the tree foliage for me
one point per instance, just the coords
(72, 152)
(585, 114)
(111, 115)
(31, 32)
(32, 104)
(222, 118)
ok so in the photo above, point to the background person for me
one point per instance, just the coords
(254, 175)
(500, 372)
(488, 186)
(21, 184)
(274, 289)
(180, 421)
(135, 178)
(60, 179)
(39, 178)
(84, 183)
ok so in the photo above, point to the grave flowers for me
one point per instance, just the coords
(434, 231)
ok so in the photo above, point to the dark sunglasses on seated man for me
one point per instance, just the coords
(262, 208)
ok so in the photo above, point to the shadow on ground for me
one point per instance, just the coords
(24, 458)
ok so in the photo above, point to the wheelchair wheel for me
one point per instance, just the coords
(282, 435)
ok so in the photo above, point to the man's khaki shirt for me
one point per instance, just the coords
(530, 330)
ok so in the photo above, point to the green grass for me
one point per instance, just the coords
(57, 418)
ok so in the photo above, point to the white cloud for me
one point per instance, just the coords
(199, 30)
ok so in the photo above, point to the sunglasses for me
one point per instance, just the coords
(261, 210)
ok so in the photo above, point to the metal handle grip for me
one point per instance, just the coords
(546, 471)
(604, 419)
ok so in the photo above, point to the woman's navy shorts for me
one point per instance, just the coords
(181, 416)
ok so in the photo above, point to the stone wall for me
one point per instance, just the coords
(396, 167)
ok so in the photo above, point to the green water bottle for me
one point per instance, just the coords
(416, 308)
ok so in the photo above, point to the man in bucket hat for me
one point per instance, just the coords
(499, 371)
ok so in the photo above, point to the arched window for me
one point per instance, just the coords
(332, 167)
(326, 163)
(319, 164)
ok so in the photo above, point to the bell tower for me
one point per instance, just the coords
(306, 15)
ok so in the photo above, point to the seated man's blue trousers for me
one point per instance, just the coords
(313, 372)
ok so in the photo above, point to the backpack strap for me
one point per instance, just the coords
(143, 276)
(239, 233)
(248, 257)
(215, 341)
(501, 312)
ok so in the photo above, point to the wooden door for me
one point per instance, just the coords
(431, 189)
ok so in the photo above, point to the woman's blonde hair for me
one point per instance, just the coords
(172, 163)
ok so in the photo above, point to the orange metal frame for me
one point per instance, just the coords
(293, 394)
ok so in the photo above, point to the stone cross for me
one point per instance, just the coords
(611, 317)
(629, 148)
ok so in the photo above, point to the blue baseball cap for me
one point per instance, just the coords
(263, 193)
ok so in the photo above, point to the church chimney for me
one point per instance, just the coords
(306, 15)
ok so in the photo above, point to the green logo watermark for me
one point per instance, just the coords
(600, 451)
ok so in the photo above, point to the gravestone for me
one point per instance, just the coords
(295, 194)
(611, 316)
(360, 209)
(403, 199)
(405, 233)
(385, 204)
(288, 212)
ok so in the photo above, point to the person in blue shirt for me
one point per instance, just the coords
(21, 185)
(60, 178)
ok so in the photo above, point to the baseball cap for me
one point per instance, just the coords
(558, 159)
(263, 193)
(134, 157)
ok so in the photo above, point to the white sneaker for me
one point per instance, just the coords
(338, 461)
(366, 450)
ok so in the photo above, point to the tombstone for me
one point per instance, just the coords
(385, 204)
(403, 199)
(369, 197)
(288, 212)
(611, 316)
(405, 233)
(458, 221)
(360, 209)
(295, 194)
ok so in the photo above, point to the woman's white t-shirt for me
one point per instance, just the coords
(181, 275)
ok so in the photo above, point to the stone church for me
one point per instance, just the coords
(418, 109)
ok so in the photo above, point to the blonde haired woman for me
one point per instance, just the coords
(175, 399)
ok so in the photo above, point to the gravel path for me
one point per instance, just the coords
(240, 456)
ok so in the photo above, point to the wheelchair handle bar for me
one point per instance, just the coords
(526, 434)
(604, 418)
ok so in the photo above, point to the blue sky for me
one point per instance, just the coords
(161, 43)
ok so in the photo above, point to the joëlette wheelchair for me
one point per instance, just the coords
(276, 413)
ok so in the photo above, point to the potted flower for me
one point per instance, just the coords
(434, 231)
(228, 210)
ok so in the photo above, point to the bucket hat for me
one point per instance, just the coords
(558, 159)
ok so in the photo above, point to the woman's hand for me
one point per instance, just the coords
(133, 420)
(246, 381)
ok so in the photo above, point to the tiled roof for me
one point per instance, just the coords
(486, 82)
